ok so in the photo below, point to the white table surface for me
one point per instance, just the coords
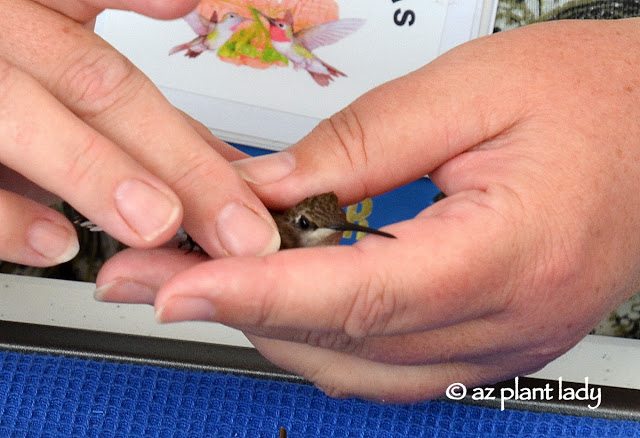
(603, 360)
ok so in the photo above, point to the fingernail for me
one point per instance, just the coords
(266, 169)
(242, 232)
(53, 241)
(186, 309)
(125, 291)
(146, 210)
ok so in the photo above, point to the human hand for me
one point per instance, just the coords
(80, 121)
(531, 133)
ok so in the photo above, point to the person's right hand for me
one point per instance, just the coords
(78, 120)
(533, 136)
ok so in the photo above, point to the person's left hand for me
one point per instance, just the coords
(79, 121)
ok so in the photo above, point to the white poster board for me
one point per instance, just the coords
(273, 104)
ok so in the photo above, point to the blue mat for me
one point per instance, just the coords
(55, 396)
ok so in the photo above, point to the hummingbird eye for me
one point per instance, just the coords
(304, 223)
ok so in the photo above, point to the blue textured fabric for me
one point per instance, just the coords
(53, 396)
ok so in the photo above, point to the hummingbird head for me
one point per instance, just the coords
(232, 20)
(280, 30)
(316, 221)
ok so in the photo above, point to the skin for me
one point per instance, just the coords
(82, 123)
(533, 136)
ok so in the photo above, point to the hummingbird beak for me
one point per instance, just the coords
(348, 226)
(266, 17)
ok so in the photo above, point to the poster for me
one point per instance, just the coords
(265, 72)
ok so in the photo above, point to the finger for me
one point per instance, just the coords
(464, 342)
(135, 276)
(47, 144)
(221, 213)
(12, 181)
(32, 234)
(227, 151)
(471, 341)
(342, 375)
(84, 10)
(363, 290)
(420, 120)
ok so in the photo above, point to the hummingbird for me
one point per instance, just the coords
(298, 46)
(212, 34)
(316, 221)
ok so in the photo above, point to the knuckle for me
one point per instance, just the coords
(268, 305)
(192, 171)
(348, 137)
(552, 268)
(7, 79)
(371, 310)
(324, 378)
(15, 128)
(560, 266)
(333, 341)
(87, 157)
(332, 390)
(97, 80)
(13, 83)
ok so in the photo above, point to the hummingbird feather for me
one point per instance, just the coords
(324, 34)
(199, 24)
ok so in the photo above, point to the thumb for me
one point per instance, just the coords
(392, 135)
(84, 11)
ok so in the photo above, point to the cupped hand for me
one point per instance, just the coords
(532, 134)
(80, 121)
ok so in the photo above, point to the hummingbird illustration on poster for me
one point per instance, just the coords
(297, 46)
(212, 34)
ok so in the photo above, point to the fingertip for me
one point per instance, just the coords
(137, 275)
(55, 242)
(266, 169)
(243, 232)
(34, 235)
(125, 291)
(150, 212)
(180, 309)
(161, 9)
